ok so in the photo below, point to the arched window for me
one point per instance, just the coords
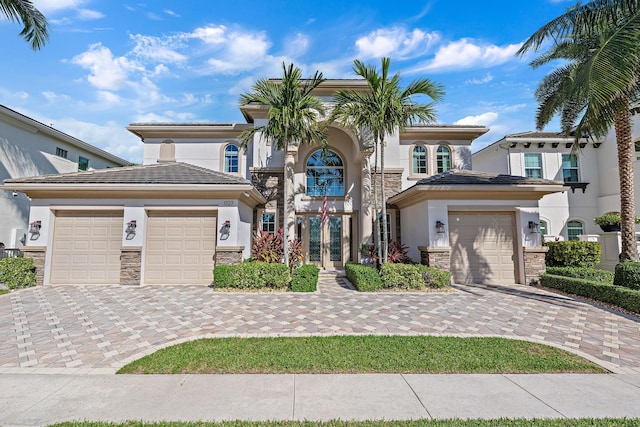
(543, 228)
(443, 159)
(325, 174)
(574, 229)
(419, 160)
(231, 159)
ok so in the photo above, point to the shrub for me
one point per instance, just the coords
(592, 274)
(363, 277)
(434, 278)
(611, 219)
(396, 252)
(305, 278)
(573, 253)
(252, 275)
(628, 299)
(627, 274)
(269, 247)
(17, 272)
(402, 276)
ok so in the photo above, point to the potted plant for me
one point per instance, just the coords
(610, 222)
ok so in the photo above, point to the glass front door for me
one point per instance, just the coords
(326, 244)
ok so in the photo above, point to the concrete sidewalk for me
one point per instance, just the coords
(34, 400)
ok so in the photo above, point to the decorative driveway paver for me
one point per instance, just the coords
(89, 327)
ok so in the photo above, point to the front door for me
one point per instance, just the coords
(326, 244)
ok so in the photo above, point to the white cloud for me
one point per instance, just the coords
(297, 46)
(160, 49)
(52, 96)
(210, 35)
(465, 53)
(486, 79)
(395, 41)
(171, 12)
(46, 6)
(109, 98)
(106, 71)
(484, 119)
(87, 14)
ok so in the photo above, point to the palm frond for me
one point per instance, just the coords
(35, 27)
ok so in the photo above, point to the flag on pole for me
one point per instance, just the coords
(324, 209)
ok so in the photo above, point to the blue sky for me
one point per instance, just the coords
(110, 63)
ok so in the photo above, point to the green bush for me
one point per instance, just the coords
(402, 276)
(17, 272)
(592, 274)
(305, 278)
(363, 277)
(573, 253)
(628, 275)
(252, 275)
(434, 278)
(628, 299)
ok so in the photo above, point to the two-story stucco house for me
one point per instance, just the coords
(198, 200)
(29, 148)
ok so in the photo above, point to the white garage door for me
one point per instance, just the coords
(180, 248)
(86, 248)
(482, 249)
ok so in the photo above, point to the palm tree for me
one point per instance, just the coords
(381, 111)
(599, 44)
(35, 29)
(294, 116)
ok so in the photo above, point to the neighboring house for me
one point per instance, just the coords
(29, 148)
(199, 199)
(591, 172)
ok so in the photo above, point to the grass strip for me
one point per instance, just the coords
(502, 422)
(359, 354)
(4, 291)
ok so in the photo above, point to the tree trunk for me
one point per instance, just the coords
(376, 221)
(625, 146)
(385, 239)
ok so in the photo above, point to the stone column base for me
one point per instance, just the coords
(534, 264)
(436, 256)
(228, 255)
(37, 254)
(130, 265)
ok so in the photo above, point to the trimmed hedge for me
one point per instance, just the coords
(305, 278)
(628, 299)
(17, 272)
(434, 278)
(363, 277)
(573, 253)
(402, 276)
(252, 275)
(628, 275)
(592, 274)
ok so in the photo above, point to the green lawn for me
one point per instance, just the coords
(503, 422)
(359, 354)
(4, 291)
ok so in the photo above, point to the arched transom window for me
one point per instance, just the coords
(419, 160)
(231, 158)
(325, 174)
(574, 229)
(443, 158)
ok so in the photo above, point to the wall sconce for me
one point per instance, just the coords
(34, 229)
(225, 230)
(534, 227)
(440, 227)
(131, 229)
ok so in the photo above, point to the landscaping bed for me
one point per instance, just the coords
(359, 354)
(394, 277)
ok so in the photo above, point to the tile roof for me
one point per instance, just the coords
(161, 173)
(530, 134)
(469, 177)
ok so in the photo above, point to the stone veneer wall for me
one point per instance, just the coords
(393, 181)
(37, 254)
(230, 255)
(271, 185)
(534, 264)
(437, 257)
(130, 265)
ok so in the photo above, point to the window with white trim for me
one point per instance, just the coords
(268, 222)
(570, 172)
(533, 165)
(543, 228)
(419, 160)
(325, 174)
(231, 159)
(443, 159)
(574, 229)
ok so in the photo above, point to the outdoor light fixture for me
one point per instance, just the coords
(534, 227)
(34, 229)
(226, 228)
(440, 227)
(131, 229)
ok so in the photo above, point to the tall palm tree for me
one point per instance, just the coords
(36, 29)
(294, 118)
(381, 111)
(599, 44)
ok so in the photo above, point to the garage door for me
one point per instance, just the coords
(482, 247)
(86, 248)
(180, 248)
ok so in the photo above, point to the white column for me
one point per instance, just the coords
(366, 196)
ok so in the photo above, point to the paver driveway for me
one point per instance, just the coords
(93, 327)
